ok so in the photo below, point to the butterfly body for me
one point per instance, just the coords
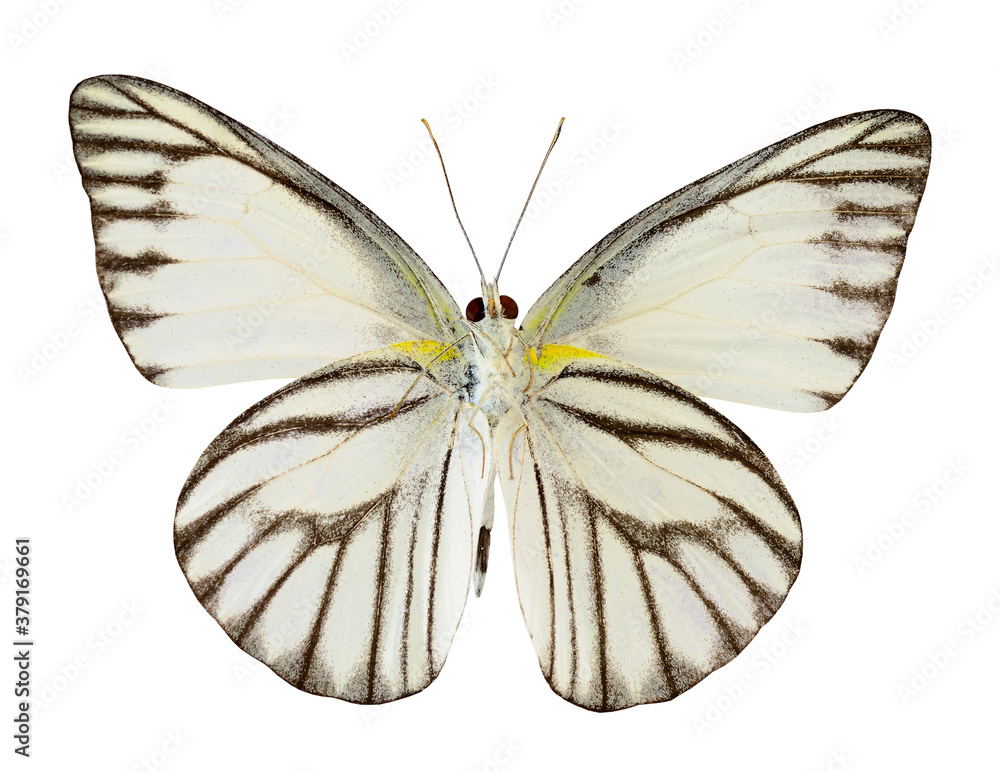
(498, 369)
(333, 530)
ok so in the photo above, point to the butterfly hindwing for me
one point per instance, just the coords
(224, 258)
(767, 282)
(651, 538)
(328, 529)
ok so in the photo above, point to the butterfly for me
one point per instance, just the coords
(334, 529)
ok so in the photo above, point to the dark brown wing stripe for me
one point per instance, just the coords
(436, 546)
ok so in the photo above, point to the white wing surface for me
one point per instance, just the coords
(224, 258)
(328, 528)
(767, 282)
(651, 538)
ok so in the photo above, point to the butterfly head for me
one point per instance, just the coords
(491, 304)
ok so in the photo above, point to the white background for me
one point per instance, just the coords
(129, 670)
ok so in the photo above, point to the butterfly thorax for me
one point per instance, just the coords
(498, 370)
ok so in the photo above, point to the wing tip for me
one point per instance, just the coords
(109, 95)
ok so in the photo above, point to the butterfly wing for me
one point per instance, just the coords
(224, 258)
(328, 528)
(767, 282)
(651, 538)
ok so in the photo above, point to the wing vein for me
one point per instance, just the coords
(435, 546)
(320, 622)
(380, 594)
(659, 634)
(598, 587)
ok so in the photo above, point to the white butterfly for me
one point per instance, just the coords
(334, 528)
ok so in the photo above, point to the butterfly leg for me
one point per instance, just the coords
(510, 452)
(477, 408)
(530, 351)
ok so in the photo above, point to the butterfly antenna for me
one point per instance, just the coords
(552, 144)
(453, 206)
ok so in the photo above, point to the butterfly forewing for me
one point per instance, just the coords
(767, 282)
(224, 258)
(329, 532)
(651, 538)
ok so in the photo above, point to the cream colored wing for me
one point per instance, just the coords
(329, 529)
(651, 538)
(224, 258)
(767, 282)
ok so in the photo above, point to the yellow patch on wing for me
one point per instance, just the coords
(424, 352)
(556, 357)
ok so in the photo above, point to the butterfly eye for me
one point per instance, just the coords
(508, 308)
(476, 310)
